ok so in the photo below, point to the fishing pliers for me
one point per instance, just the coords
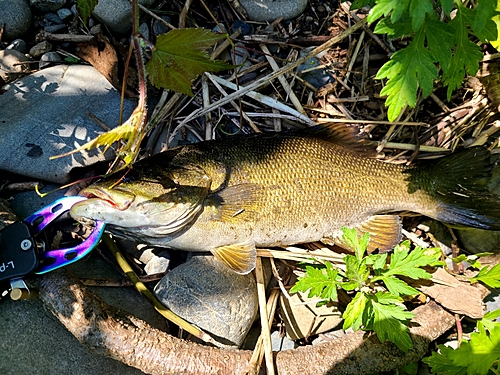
(23, 252)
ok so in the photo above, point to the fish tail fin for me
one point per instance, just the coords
(459, 185)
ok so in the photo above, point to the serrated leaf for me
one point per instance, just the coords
(356, 273)
(394, 30)
(321, 282)
(440, 37)
(490, 277)
(388, 323)
(405, 263)
(408, 69)
(395, 8)
(488, 322)
(180, 56)
(358, 245)
(85, 8)
(353, 314)
(467, 54)
(440, 363)
(447, 6)
(377, 261)
(418, 11)
(398, 287)
(483, 25)
(478, 354)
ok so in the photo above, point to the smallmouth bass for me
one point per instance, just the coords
(279, 189)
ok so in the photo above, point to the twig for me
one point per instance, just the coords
(265, 80)
(141, 288)
(266, 335)
(282, 79)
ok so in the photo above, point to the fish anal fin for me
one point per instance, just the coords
(385, 233)
(240, 257)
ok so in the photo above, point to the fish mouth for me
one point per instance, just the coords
(117, 198)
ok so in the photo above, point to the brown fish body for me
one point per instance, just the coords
(284, 189)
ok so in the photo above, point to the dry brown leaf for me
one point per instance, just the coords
(457, 296)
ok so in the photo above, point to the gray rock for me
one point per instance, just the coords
(54, 28)
(144, 30)
(10, 64)
(16, 15)
(117, 14)
(53, 18)
(26, 202)
(206, 293)
(48, 5)
(158, 263)
(478, 241)
(270, 10)
(19, 45)
(39, 49)
(48, 59)
(64, 13)
(280, 343)
(159, 27)
(46, 114)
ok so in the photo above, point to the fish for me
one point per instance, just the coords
(230, 196)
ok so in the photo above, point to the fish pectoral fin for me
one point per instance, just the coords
(238, 257)
(385, 233)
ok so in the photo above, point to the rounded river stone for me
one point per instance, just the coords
(214, 298)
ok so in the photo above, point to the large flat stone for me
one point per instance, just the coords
(47, 113)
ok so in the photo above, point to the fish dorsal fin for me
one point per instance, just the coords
(341, 134)
(235, 203)
(385, 233)
(240, 258)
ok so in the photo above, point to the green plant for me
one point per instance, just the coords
(178, 57)
(378, 302)
(440, 45)
(479, 356)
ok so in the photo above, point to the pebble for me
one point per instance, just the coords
(16, 15)
(316, 77)
(144, 30)
(47, 113)
(39, 49)
(18, 45)
(53, 18)
(48, 59)
(206, 293)
(64, 13)
(159, 27)
(10, 67)
(159, 263)
(246, 28)
(117, 14)
(279, 342)
(54, 28)
(48, 5)
(270, 10)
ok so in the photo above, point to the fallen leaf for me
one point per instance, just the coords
(457, 296)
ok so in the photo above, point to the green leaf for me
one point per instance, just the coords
(467, 54)
(377, 261)
(358, 245)
(405, 263)
(395, 8)
(407, 70)
(447, 6)
(440, 40)
(394, 30)
(480, 353)
(418, 10)
(398, 287)
(85, 8)
(321, 282)
(484, 12)
(490, 277)
(180, 56)
(440, 363)
(353, 314)
(388, 321)
(356, 273)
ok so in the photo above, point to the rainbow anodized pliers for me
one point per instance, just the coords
(23, 253)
